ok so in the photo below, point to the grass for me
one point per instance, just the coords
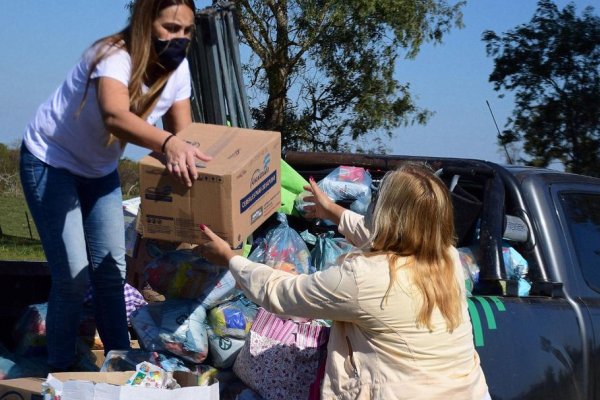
(18, 248)
(19, 239)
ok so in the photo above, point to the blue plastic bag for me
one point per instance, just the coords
(328, 249)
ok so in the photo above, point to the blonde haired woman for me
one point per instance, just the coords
(120, 88)
(401, 327)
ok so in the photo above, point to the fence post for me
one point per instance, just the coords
(28, 225)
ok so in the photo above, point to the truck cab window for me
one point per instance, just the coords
(582, 212)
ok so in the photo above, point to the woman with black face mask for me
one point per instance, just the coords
(121, 87)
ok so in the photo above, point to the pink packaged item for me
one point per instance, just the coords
(281, 357)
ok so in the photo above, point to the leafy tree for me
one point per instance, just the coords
(324, 70)
(552, 64)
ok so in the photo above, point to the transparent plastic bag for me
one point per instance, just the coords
(347, 183)
(176, 326)
(516, 268)
(182, 274)
(328, 249)
(232, 319)
(344, 184)
(470, 268)
(283, 248)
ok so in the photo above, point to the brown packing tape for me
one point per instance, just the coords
(216, 148)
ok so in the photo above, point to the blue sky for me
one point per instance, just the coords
(42, 39)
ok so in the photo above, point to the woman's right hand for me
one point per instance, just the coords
(324, 207)
(181, 160)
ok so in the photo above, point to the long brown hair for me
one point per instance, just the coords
(413, 218)
(136, 39)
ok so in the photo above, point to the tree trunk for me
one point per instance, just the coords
(275, 111)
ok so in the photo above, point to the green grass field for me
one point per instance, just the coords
(19, 239)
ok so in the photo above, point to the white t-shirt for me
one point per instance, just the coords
(60, 138)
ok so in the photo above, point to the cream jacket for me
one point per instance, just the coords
(375, 349)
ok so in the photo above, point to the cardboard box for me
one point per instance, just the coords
(235, 192)
(107, 385)
(21, 389)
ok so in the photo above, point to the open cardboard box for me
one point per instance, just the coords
(107, 386)
(234, 194)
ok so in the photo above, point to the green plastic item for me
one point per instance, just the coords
(292, 184)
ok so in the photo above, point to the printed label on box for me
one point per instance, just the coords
(247, 201)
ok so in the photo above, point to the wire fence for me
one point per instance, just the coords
(15, 220)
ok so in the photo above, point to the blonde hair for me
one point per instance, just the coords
(414, 218)
(136, 39)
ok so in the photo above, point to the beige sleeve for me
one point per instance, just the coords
(352, 226)
(330, 294)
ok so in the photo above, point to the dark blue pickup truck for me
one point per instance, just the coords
(543, 345)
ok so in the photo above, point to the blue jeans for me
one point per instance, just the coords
(80, 222)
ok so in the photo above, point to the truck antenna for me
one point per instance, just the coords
(504, 145)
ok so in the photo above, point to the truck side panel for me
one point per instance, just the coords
(526, 347)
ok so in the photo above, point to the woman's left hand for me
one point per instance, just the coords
(216, 250)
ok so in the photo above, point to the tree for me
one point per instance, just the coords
(323, 71)
(9, 170)
(129, 173)
(552, 64)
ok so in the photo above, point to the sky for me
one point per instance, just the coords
(43, 39)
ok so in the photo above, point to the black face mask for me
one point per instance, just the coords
(171, 52)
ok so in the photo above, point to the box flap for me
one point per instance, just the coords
(114, 378)
(216, 141)
(27, 385)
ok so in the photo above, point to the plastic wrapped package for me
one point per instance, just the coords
(470, 268)
(126, 360)
(515, 265)
(361, 204)
(343, 184)
(233, 319)
(347, 183)
(175, 326)
(283, 248)
(182, 274)
(516, 268)
(300, 202)
(30, 331)
(222, 349)
(152, 376)
(328, 249)
(13, 366)
(130, 211)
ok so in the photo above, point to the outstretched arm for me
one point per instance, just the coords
(330, 294)
(113, 99)
(350, 224)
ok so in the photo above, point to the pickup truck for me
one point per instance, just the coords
(540, 346)
(545, 345)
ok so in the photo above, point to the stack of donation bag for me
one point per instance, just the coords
(206, 325)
